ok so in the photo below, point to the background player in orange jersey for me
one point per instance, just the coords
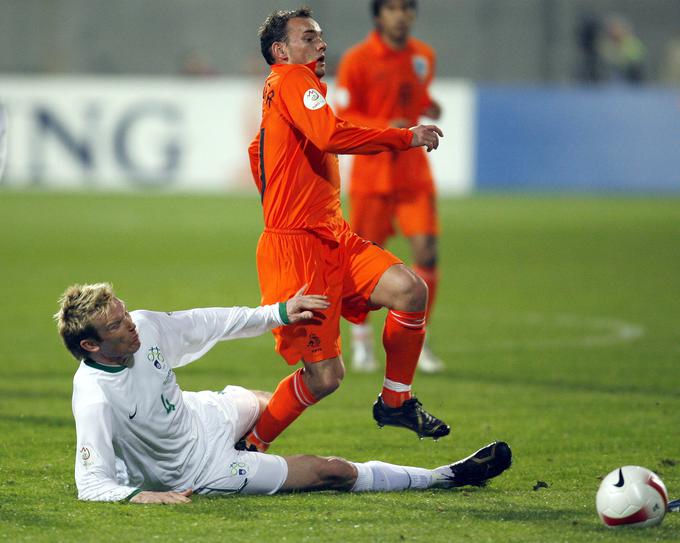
(382, 82)
(307, 241)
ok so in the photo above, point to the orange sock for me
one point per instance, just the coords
(431, 278)
(289, 400)
(403, 338)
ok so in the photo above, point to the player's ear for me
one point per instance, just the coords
(89, 345)
(279, 51)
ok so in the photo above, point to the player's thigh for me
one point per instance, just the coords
(367, 262)
(243, 472)
(371, 216)
(244, 404)
(286, 263)
(416, 213)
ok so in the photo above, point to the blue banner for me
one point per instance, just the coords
(590, 139)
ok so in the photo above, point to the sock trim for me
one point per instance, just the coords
(396, 386)
(303, 395)
(364, 480)
(255, 434)
(415, 320)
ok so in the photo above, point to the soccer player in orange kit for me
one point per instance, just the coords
(306, 241)
(384, 81)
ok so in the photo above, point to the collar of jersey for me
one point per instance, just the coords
(311, 67)
(107, 369)
(383, 49)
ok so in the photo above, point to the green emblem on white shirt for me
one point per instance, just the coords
(169, 406)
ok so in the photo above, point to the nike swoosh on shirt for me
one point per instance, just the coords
(133, 414)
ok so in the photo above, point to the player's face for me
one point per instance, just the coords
(395, 20)
(305, 44)
(118, 333)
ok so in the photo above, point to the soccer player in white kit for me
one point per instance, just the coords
(141, 438)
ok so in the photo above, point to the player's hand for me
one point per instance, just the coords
(426, 135)
(163, 497)
(301, 307)
(433, 111)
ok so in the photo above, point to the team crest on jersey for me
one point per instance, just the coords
(421, 66)
(313, 99)
(314, 343)
(155, 355)
(238, 468)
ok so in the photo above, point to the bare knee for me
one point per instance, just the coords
(306, 472)
(323, 378)
(402, 289)
(424, 249)
(262, 399)
(337, 474)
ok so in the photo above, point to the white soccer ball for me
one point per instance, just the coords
(631, 496)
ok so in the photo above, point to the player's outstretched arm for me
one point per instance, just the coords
(148, 496)
(426, 135)
(302, 306)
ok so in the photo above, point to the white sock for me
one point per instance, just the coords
(383, 477)
(362, 332)
(364, 480)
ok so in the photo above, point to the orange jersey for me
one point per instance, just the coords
(377, 84)
(293, 158)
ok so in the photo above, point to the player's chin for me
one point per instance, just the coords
(320, 69)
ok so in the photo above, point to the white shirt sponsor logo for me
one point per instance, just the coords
(313, 99)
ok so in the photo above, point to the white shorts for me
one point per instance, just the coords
(230, 471)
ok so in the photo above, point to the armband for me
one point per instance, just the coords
(283, 313)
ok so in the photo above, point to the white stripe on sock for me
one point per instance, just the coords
(259, 438)
(298, 391)
(396, 386)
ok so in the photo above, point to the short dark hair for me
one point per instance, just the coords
(274, 29)
(376, 5)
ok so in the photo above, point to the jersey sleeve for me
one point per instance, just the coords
(188, 335)
(95, 471)
(254, 157)
(311, 115)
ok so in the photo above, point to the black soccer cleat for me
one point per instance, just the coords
(242, 445)
(412, 416)
(475, 470)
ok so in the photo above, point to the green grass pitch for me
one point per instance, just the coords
(558, 318)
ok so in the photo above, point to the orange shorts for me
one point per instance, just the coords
(346, 271)
(373, 215)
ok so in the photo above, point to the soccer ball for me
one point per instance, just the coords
(631, 496)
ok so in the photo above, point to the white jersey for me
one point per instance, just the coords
(136, 430)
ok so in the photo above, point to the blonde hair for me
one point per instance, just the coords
(78, 306)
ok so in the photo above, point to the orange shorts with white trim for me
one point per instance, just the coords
(373, 215)
(346, 270)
